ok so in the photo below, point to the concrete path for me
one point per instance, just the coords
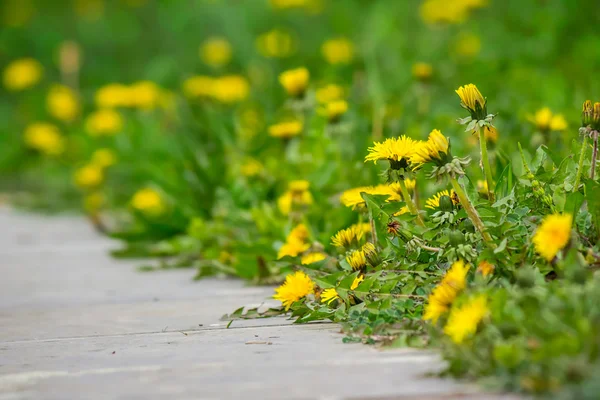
(76, 324)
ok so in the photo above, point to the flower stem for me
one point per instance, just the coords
(472, 212)
(594, 154)
(409, 203)
(580, 167)
(485, 162)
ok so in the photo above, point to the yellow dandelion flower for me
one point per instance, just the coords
(89, 176)
(312, 258)
(251, 167)
(149, 202)
(463, 321)
(198, 86)
(286, 130)
(434, 149)
(295, 81)
(292, 248)
(338, 51)
(105, 122)
(352, 197)
(472, 100)
(62, 103)
(230, 89)
(422, 71)
(329, 295)
(357, 281)
(397, 150)
(485, 268)
(329, 93)
(295, 287)
(457, 275)
(346, 237)
(276, 44)
(299, 185)
(45, 138)
(299, 233)
(215, 52)
(357, 260)
(22, 74)
(553, 235)
(104, 158)
(558, 123)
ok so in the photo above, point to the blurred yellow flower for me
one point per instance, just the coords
(544, 120)
(334, 110)
(17, 13)
(553, 235)
(89, 9)
(145, 95)
(296, 286)
(45, 138)
(295, 81)
(485, 268)
(422, 71)
(286, 130)
(448, 11)
(104, 158)
(329, 93)
(149, 202)
(482, 187)
(463, 321)
(93, 201)
(215, 52)
(338, 51)
(22, 74)
(89, 176)
(446, 291)
(275, 44)
(231, 89)
(491, 134)
(311, 258)
(467, 45)
(296, 195)
(62, 103)
(113, 95)
(329, 295)
(104, 123)
(199, 86)
(292, 248)
(251, 167)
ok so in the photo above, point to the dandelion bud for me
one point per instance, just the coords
(587, 113)
(456, 238)
(596, 116)
(371, 254)
(472, 100)
(446, 204)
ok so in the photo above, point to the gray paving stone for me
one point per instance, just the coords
(76, 324)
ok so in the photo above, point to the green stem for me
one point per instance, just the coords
(485, 161)
(472, 212)
(409, 203)
(580, 167)
(594, 155)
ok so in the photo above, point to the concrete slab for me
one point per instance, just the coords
(76, 324)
